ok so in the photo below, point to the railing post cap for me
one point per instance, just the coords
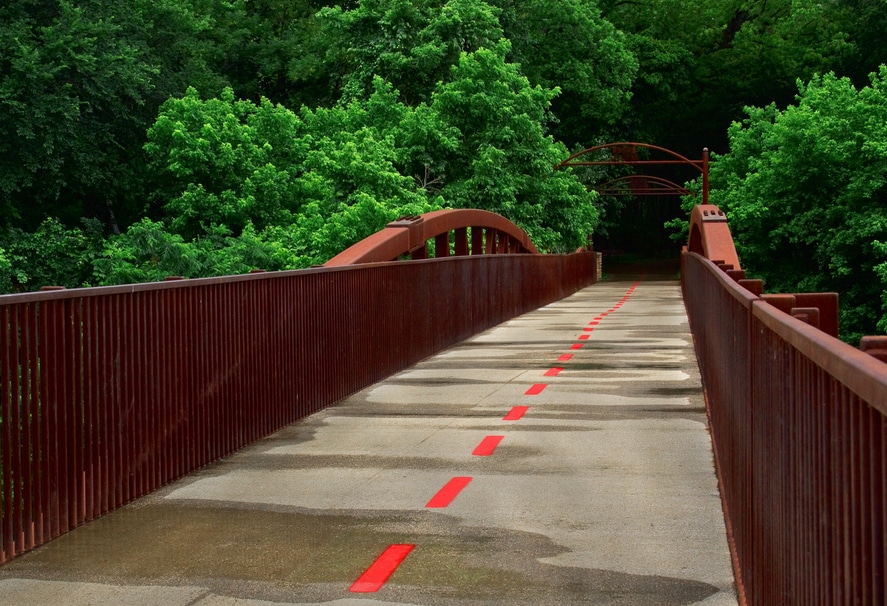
(875, 346)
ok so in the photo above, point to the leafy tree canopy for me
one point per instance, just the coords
(805, 189)
(325, 178)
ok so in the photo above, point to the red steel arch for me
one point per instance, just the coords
(641, 185)
(624, 153)
(490, 234)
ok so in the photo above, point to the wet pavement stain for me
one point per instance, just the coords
(279, 555)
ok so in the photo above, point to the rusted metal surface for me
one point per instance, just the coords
(109, 393)
(799, 424)
(641, 185)
(710, 235)
(875, 346)
(490, 233)
(625, 153)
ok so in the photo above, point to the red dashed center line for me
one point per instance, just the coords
(379, 571)
(449, 492)
(536, 389)
(516, 413)
(487, 446)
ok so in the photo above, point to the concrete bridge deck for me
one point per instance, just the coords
(560, 458)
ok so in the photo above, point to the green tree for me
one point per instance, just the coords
(805, 190)
(568, 45)
(278, 189)
(69, 84)
(52, 255)
(79, 84)
(410, 44)
(495, 154)
(700, 64)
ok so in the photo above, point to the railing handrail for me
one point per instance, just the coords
(109, 393)
(861, 373)
(179, 282)
(798, 421)
(864, 375)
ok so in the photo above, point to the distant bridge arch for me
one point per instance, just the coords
(625, 153)
(641, 185)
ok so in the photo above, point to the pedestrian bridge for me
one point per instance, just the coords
(479, 424)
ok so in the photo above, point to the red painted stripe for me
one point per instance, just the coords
(516, 413)
(565, 358)
(379, 571)
(588, 329)
(605, 313)
(487, 446)
(536, 389)
(553, 372)
(576, 346)
(449, 492)
(594, 323)
(584, 337)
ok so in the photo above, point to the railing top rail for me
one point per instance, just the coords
(861, 373)
(123, 289)
(97, 291)
(731, 286)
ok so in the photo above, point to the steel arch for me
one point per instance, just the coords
(490, 234)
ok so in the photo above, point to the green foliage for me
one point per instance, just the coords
(409, 44)
(701, 63)
(5, 273)
(569, 46)
(315, 183)
(52, 255)
(565, 45)
(280, 190)
(69, 82)
(223, 161)
(806, 193)
(502, 160)
(149, 252)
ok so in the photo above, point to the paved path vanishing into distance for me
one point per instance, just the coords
(560, 458)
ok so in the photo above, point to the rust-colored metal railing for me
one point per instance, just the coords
(799, 425)
(109, 393)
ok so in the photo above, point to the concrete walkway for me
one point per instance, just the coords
(601, 491)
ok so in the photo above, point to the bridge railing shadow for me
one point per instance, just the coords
(109, 393)
(799, 426)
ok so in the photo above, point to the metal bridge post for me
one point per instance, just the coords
(705, 175)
